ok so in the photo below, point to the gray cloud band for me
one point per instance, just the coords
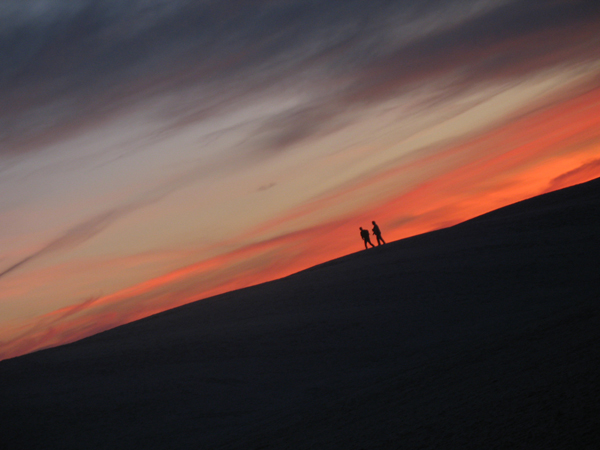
(73, 66)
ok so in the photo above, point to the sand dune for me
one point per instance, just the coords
(484, 335)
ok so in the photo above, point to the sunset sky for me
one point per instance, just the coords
(155, 152)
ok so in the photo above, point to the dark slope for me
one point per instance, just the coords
(483, 335)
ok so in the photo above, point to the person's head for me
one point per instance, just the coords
(360, 228)
(373, 222)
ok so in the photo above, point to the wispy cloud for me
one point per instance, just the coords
(82, 232)
(71, 238)
(68, 66)
(581, 174)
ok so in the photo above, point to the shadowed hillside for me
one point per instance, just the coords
(482, 335)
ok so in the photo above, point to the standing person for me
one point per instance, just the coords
(364, 234)
(377, 234)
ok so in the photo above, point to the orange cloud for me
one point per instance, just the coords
(582, 173)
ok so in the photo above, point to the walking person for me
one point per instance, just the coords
(364, 234)
(377, 233)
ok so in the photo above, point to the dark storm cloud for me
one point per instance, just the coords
(68, 64)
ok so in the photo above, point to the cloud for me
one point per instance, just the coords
(73, 237)
(82, 232)
(265, 187)
(299, 124)
(508, 42)
(69, 64)
(585, 172)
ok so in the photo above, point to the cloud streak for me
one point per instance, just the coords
(88, 229)
(76, 65)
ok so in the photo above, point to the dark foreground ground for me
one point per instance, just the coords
(480, 336)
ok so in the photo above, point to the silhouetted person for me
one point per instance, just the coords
(377, 234)
(364, 234)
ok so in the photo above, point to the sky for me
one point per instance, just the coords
(157, 152)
